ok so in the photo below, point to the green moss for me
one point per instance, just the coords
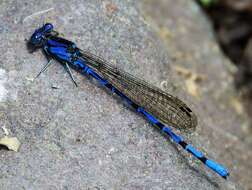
(208, 3)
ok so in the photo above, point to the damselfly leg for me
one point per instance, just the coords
(43, 69)
(70, 73)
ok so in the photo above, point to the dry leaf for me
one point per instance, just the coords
(183, 71)
(192, 87)
(192, 80)
(165, 33)
(5, 130)
(29, 79)
(237, 105)
(12, 143)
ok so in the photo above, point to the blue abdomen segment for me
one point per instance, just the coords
(218, 168)
(80, 65)
(210, 163)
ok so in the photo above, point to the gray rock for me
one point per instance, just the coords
(84, 138)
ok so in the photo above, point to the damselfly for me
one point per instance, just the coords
(156, 105)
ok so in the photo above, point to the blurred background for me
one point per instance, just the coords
(232, 22)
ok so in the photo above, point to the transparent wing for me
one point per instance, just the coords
(165, 107)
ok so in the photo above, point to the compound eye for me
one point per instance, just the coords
(48, 27)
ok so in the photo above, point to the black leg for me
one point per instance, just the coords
(44, 68)
(70, 73)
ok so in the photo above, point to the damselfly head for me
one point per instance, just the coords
(39, 37)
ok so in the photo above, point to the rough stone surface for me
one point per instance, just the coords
(84, 138)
